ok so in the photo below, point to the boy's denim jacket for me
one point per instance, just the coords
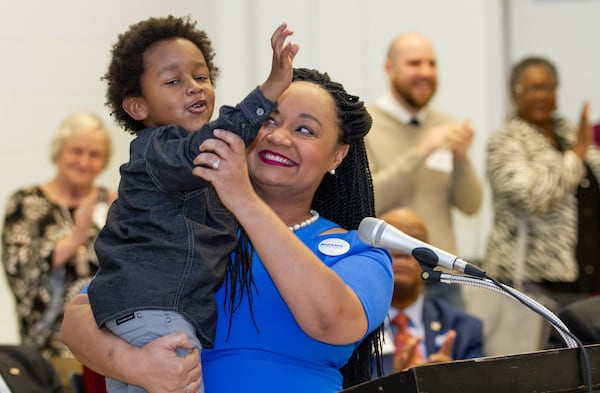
(168, 239)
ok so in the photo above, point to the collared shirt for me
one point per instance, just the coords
(3, 386)
(389, 104)
(414, 312)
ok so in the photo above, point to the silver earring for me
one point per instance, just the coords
(332, 172)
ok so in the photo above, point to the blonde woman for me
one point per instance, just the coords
(50, 228)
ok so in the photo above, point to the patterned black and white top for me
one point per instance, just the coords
(534, 189)
(32, 225)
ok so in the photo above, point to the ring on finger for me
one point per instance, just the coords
(216, 163)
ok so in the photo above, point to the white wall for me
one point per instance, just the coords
(565, 31)
(349, 38)
(54, 52)
(53, 55)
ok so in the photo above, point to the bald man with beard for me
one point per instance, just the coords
(441, 332)
(418, 155)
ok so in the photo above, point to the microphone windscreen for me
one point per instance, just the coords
(370, 229)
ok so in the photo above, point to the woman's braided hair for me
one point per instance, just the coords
(347, 197)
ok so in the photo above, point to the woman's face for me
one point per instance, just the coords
(298, 144)
(82, 157)
(535, 95)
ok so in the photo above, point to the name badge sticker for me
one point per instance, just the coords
(333, 246)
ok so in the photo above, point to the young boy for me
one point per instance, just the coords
(167, 242)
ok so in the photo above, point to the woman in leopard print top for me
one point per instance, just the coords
(544, 175)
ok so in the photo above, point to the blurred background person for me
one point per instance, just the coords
(24, 370)
(439, 332)
(419, 155)
(582, 319)
(50, 228)
(544, 172)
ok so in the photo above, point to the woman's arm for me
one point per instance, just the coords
(156, 366)
(322, 304)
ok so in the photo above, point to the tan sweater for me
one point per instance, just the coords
(401, 178)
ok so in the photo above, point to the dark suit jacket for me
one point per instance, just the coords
(439, 317)
(26, 371)
(583, 320)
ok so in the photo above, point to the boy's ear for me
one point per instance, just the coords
(135, 107)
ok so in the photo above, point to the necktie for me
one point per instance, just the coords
(414, 122)
(403, 336)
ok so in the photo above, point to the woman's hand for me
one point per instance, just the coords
(585, 134)
(155, 366)
(163, 371)
(330, 311)
(82, 217)
(112, 196)
(75, 242)
(222, 162)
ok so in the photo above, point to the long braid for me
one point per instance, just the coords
(347, 197)
(239, 272)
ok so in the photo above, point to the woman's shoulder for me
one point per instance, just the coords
(330, 241)
(29, 190)
(25, 198)
(513, 129)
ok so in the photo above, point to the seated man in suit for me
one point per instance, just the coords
(583, 320)
(437, 331)
(23, 369)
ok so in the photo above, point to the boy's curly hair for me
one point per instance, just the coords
(127, 60)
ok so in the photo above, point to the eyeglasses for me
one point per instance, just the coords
(532, 89)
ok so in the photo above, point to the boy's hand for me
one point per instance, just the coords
(282, 65)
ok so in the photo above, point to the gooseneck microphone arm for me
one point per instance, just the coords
(493, 285)
(380, 234)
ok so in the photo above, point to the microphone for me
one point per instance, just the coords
(379, 233)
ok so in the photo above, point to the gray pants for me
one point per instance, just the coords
(144, 326)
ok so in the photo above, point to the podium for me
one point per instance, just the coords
(555, 370)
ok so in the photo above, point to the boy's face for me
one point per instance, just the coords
(176, 86)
